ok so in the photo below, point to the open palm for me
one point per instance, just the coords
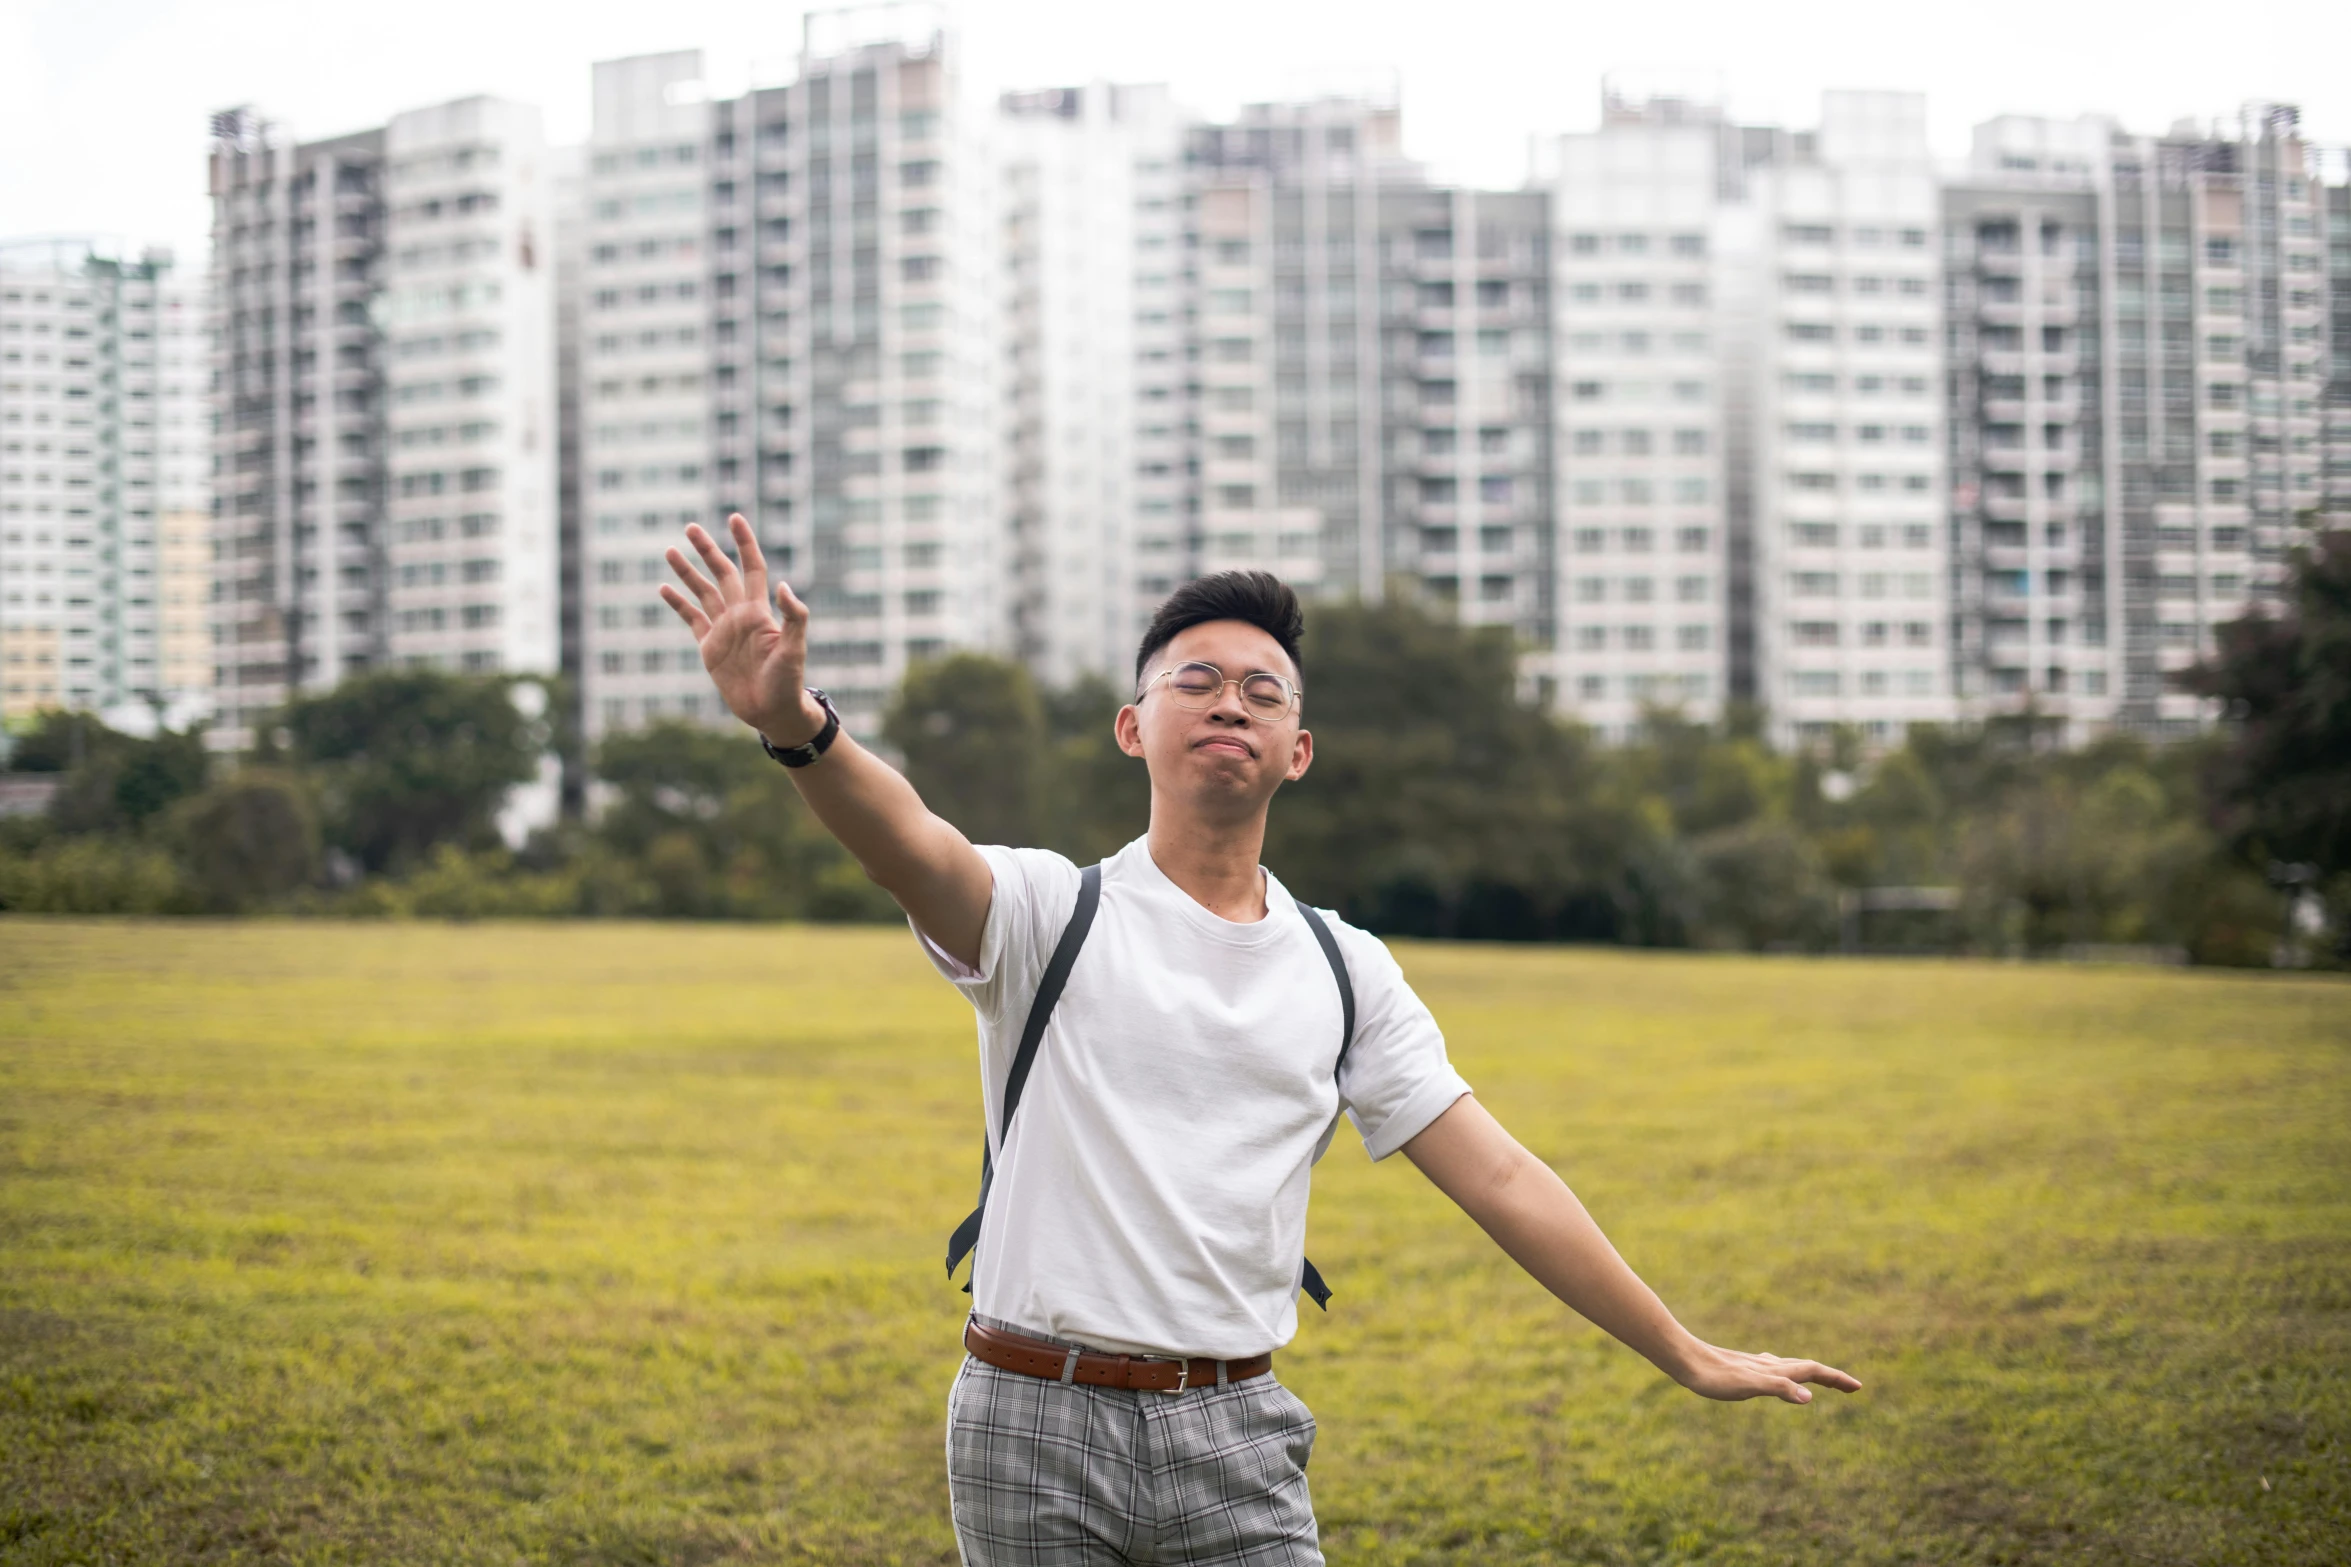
(759, 666)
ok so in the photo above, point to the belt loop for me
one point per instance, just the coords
(1223, 1376)
(1069, 1367)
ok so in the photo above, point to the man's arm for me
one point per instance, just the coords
(1527, 1208)
(760, 669)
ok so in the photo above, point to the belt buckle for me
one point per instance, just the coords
(1183, 1378)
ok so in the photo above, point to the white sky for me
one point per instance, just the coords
(103, 103)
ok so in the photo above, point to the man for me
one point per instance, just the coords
(1139, 1256)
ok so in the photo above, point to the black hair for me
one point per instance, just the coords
(1257, 597)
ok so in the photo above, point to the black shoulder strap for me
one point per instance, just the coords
(1065, 956)
(1309, 1276)
(1330, 950)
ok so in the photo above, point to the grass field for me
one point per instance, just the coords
(618, 1244)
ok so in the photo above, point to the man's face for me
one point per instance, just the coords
(1227, 756)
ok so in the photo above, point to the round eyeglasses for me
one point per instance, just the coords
(1265, 694)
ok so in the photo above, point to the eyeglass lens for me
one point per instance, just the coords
(1198, 685)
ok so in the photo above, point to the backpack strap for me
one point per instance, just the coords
(1065, 956)
(1309, 1276)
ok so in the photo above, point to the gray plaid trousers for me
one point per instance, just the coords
(1044, 1474)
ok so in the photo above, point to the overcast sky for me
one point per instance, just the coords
(103, 103)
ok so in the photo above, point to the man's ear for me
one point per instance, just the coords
(1301, 757)
(1128, 727)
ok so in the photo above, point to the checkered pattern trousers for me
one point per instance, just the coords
(1050, 1474)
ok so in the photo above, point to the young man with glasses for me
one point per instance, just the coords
(1178, 1037)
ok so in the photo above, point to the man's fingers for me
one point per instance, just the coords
(713, 601)
(695, 620)
(1793, 1392)
(730, 581)
(754, 563)
(1813, 1371)
(788, 602)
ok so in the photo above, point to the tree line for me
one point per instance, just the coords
(1442, 802)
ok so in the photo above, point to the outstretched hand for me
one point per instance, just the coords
(1732, 1374)
(759, 666)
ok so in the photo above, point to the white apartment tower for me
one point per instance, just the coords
(297, 415)
(383, 403)
(103, 527)
(2141, 356)
(2034, 588)
(1851, 573)
(468, 317)
(1638, 279)
(1091, 289)
(871, 404)
(644, 384)
(788, 308)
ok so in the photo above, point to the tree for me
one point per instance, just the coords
(113, 782)
(972, 732)
(1095, 799)
(701, 824)
(248, 842)
(407, 759)
(2281, 787)
(1443, 802)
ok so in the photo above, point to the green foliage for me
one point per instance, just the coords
(1095, 799)
(1442, 802)
(2283, 783)
(406, 760)
(701, 823)
(249, 842)
(92, 875)
(972, 734)
(605, 1243)
(114, 783)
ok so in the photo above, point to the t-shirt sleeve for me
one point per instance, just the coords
(1397, 1078)
(1035, 890)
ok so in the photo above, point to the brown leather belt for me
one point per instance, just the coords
(1036, 1358)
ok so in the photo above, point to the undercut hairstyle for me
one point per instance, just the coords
(1259, 598)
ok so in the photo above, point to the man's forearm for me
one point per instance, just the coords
(1533, 1216)
(911, 853)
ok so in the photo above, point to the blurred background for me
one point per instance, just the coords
(1863, 484)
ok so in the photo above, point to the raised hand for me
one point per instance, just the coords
(759, 666)
(1732, 1374)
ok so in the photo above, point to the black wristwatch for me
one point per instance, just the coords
(802, 755)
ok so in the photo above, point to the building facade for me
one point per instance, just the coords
(298, 535)
(1095, 383)
(468, 320)
(1641, 249)
(103, 480)
(1851, 558)
(2141, 334)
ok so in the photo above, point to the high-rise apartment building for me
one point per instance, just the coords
(2035, 611)
(872, 403)
(1091, 270)
(467, 317)
(102, 483)
(788, 308)
(2140, 330)
(384, 402)
(1851, 573)
(645, 383)
(298, 415)
(1374, 398)
(1641, 230)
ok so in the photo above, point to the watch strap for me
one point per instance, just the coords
(803, 754)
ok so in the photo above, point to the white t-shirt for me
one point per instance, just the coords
(1153, 1197)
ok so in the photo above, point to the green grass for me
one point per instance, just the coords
(611, 1244)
